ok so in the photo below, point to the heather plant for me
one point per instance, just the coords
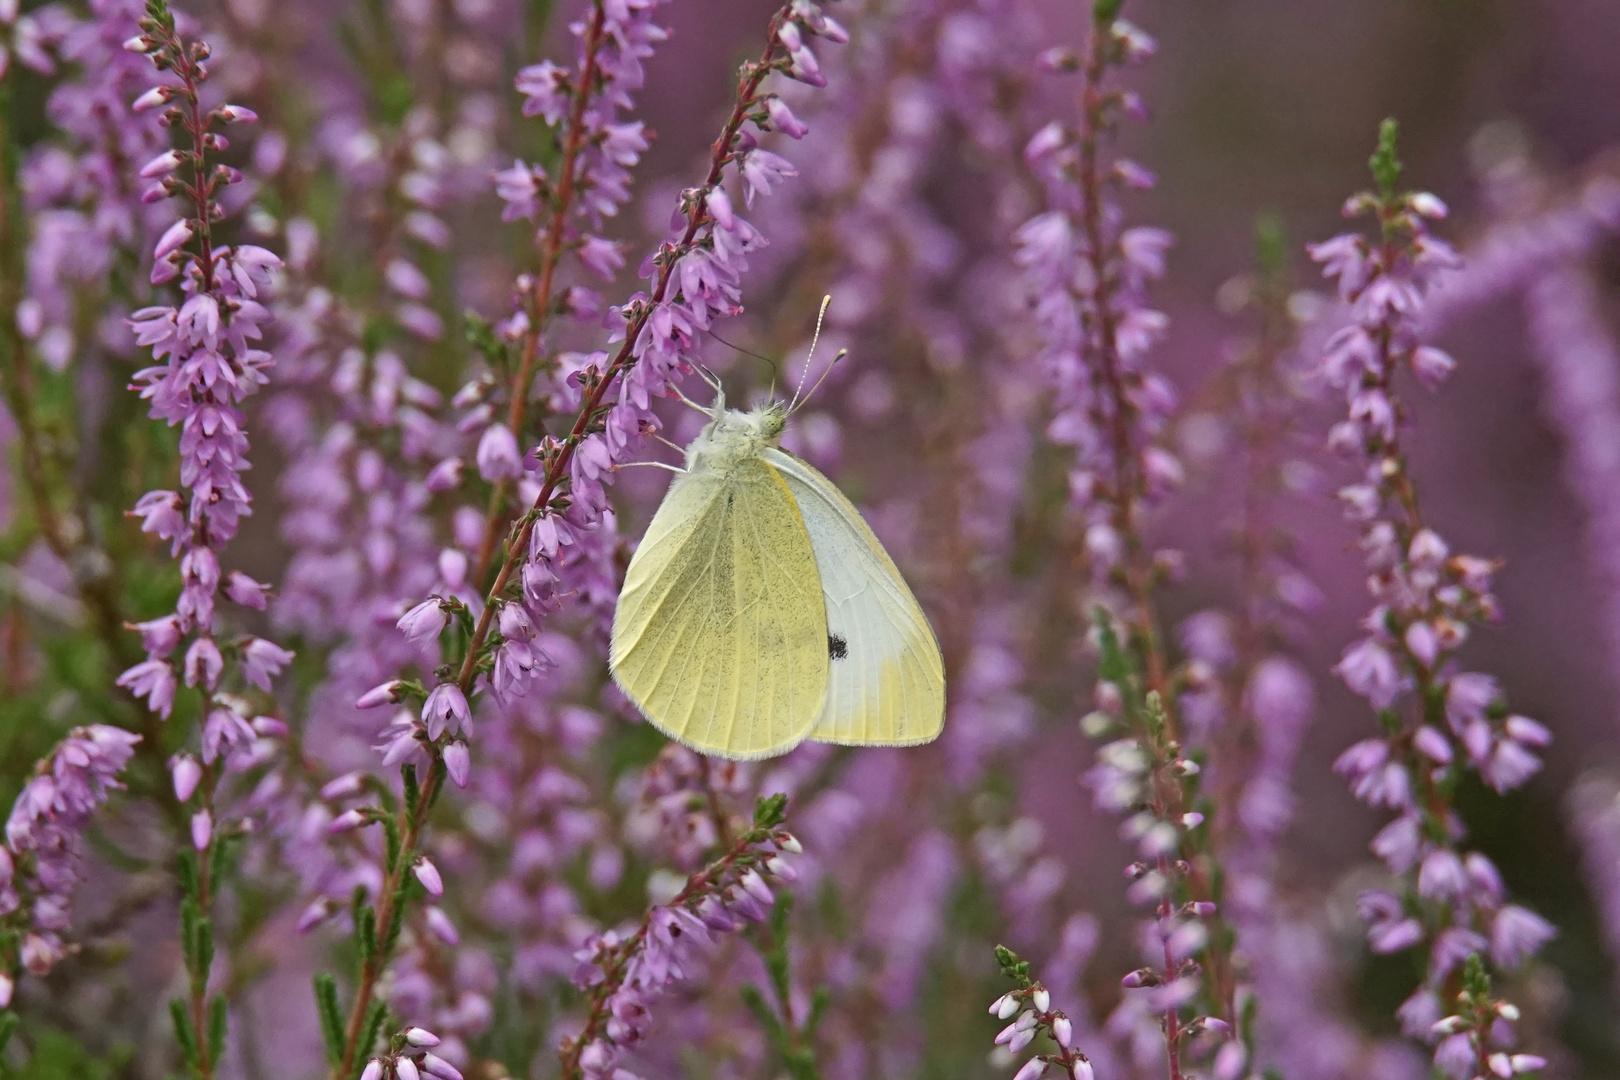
(346, 348)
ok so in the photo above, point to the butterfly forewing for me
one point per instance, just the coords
(721, 635)
(886, 682)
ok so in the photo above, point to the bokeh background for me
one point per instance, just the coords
(1261, 107)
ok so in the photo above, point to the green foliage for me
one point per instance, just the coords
(497, 352)
(185, 1035)
(1012, 967)
(331, 1014)
(770, 811)
(1271, 246)
(218, 1022)
(793, 1044)
(1385, 165)
(53, 1055)
(375, 1017)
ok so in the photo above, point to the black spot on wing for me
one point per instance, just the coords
(837, 647)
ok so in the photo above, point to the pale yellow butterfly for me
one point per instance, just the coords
(760, 610)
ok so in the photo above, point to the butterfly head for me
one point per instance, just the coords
(739, 433)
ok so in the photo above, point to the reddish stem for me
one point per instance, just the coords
(538, 301)
(555, 472)
(617, 959)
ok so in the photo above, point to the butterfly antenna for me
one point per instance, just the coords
(775, 370)
(798, 390)
(839, 355)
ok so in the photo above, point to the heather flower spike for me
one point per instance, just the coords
(1086, 276)
(44, 843)
(206, 360)
(1427, 600)
(1031, 1004)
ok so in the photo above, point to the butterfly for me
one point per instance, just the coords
(760, 610)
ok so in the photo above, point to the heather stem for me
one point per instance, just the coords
(1121, 416)
(615, 960)
(538, 301)
(557, 464)
(556, 471)
(1125, 490)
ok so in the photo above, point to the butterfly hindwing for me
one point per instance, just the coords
(720, 636)
(886, 682)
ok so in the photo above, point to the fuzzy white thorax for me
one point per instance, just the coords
(734, 435)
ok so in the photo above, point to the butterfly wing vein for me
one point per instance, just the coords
(720, 636)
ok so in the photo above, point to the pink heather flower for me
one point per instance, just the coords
(1518, 933)
(407, 280)
(441, 927)
(262, 661)
(173, 240)
(1431, 366)
(385, 694)
(600, 256)
(423, 623)
(1468, 696)
(436, 1066)
(1509, 766)
(347, 821)
(782, 119)
(428, 875)
(186, 774)
(457, 763)
(498, 456)
(1032, 1068)
(446, 475)
(1441, 876)
(1400, 843)
(1369, 670)
(159, 636)
(202, 830)
(545, 87)
(153, 680)
(1395, 936)
(161, 514)
(445, 706)
(762, 170)
(244, 590)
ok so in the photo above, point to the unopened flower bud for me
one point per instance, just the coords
(437, 1066)
(347, 821)
(428, 875)
(1032, 1069)
(385, 694)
